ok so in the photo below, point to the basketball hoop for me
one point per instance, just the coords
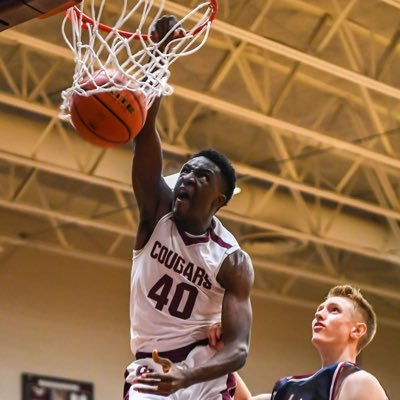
(131, 53)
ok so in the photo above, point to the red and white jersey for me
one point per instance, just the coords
(175, 296)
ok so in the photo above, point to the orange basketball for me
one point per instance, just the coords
(108, 119)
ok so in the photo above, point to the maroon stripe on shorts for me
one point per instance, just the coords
(176, 355)
(229, 392)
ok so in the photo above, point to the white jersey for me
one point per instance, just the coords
(174, 292)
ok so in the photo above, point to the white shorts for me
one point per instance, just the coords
(218, 389)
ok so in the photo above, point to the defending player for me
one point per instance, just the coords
(188, 272)
(344, 324)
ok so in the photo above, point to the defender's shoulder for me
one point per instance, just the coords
(361, 385)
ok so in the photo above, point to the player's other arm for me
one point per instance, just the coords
(361, 386)
(236, 276)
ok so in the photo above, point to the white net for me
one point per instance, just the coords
(130, 56)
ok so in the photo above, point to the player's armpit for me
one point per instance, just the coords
(361, 386)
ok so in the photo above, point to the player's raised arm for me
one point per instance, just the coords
(152, 194)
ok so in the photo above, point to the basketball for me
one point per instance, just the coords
(108, 119)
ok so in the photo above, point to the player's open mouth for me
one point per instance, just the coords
(183, 196)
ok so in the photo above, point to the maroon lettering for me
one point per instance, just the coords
(173, 261)
(159, 292)
(190, 292)
(188, 272)
(206, 283)
(180, 263)
(163, 254)
(153, 252)
(171, 257)
(182, 302)
(198, 275)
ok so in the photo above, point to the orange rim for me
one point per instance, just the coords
(213, 5)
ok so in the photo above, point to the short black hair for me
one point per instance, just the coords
(227, 170)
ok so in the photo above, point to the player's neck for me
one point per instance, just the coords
(336, 355)
(193, 226)
(191, 235)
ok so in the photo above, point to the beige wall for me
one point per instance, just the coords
(63, 317)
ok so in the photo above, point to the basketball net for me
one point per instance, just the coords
(135, 56)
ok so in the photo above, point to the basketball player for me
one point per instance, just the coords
(343, 325)
(188, 272)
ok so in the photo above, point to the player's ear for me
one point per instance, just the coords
(221, 200)
(359, 330)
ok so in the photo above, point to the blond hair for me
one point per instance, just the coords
(361, 305)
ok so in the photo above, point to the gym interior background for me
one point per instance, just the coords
(303, 96)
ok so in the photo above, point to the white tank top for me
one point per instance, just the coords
(174, 292)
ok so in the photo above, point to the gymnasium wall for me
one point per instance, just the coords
(65, 318)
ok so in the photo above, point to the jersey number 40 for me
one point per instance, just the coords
(182, 301)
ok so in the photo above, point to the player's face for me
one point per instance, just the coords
(333, 322)
(199, 188)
